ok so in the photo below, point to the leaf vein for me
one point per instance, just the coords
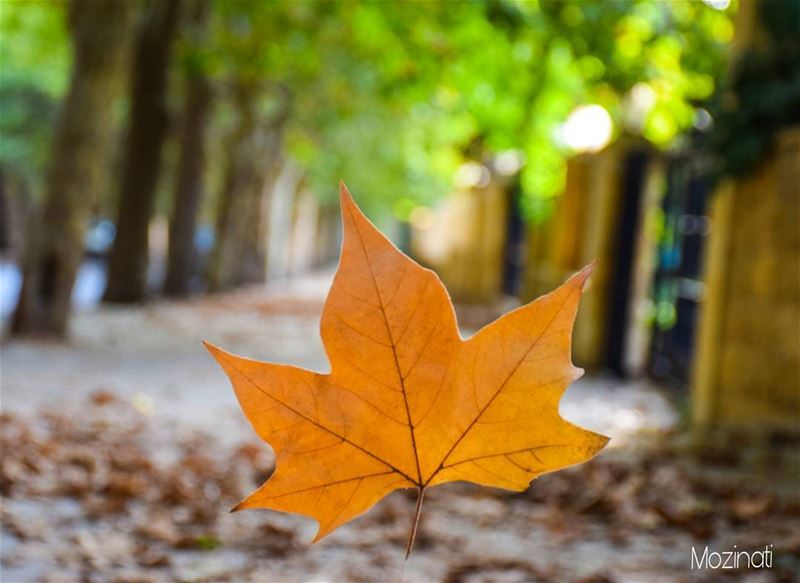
(326, 485)
(318, 424)
(394, 349)
(500, 388)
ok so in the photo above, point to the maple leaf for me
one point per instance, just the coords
(408, 403)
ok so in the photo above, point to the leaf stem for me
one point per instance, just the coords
(415, 524)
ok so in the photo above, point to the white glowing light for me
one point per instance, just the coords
(637, 105)
(472, 174)
(587, 129)
(509, 162)
(718, 4)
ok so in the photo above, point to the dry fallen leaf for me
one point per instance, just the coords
(408, 403)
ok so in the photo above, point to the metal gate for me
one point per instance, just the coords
(678, 289)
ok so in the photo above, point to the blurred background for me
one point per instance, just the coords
(169, 173)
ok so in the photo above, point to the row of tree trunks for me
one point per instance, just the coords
(78, 165)
(189, 190)
(128, 264)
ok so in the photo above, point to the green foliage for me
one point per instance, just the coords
(34, 65)
(763, 95)
(409, 91)
(394, 97)
(35, 45)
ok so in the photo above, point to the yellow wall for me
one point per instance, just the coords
(464, 242)
(582, 229)
(747, 368)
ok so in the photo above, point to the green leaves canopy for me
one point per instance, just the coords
(395, 96)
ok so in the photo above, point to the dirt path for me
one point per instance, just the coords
(117, 482)
(154, 356)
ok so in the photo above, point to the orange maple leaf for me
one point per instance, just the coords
(408, 403)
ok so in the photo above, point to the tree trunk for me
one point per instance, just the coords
(240, 180)
(284, 192)
(189, 187)
(253, 258)
(77, 166)
(127, 270)
(255, 158)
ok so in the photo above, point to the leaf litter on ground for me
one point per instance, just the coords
(97, 494)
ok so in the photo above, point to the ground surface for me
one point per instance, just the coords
(124, 449)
